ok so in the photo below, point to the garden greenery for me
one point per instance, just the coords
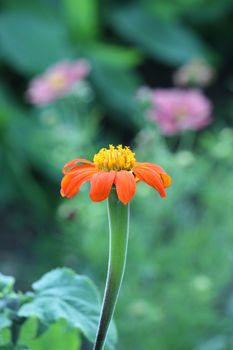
(177, 291)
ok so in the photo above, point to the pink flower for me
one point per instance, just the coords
(175, 110)
(57, 81)
(196, 73)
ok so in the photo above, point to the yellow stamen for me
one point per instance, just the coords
(114, 158)
(57, 81)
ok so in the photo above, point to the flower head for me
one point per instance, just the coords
(175, 110)
(112, 167)
(57, 81)
(195, 73)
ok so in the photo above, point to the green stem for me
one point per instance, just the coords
(118, 216)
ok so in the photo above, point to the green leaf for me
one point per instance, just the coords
(115, 55)
(9, 347)
(165, 40)
(28, 331)
(61, 294)
(6, 284)
(37, 6)
(82, 17)
(5, 337)
(4, 322)
(30, 43)
(59, 335)
(116, 87)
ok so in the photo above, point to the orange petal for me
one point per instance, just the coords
(73, 162)
(79, 167)
(151, 177)
(75, 172)
(72, 181)
(157, 167)
(167, 180)
(125, 186)
(165, 177)
(101, 184)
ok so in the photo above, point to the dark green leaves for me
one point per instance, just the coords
(117, 87)
(31, 43)
(6, 284)
(167, 41)
(61, 294)
(62, 306)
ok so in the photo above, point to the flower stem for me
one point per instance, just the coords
(118, 216)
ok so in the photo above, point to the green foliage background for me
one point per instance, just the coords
(177, 292)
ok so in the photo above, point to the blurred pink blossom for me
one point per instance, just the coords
(195, 73)
(175, 110)
(57, 81)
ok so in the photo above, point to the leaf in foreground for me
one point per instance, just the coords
(62, 294)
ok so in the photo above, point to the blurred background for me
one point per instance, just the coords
(154, 75)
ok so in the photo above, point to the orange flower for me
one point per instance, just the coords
(117, 167)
